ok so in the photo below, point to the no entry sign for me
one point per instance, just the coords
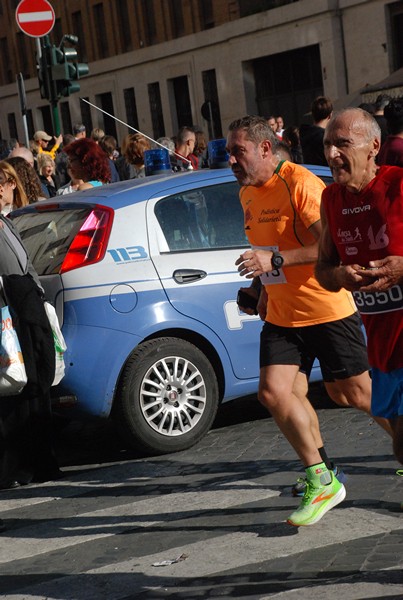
(35, 17)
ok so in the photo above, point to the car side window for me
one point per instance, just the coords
(208, 217)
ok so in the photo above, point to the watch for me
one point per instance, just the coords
(277, 260)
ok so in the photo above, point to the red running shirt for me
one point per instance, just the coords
(369, 226)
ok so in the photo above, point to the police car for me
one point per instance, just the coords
(143, 279)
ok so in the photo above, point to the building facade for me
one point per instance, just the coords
(160, 64)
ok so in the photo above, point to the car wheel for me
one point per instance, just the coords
(167, 398)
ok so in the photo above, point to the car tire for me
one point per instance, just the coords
(167, 398)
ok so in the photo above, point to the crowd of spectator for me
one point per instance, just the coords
(58, 165)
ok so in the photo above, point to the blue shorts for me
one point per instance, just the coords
(387, 393)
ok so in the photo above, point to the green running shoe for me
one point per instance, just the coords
(298, 489)
(317, 501)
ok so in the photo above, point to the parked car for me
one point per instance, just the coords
(142, 277)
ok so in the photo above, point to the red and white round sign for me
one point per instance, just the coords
(35, 17)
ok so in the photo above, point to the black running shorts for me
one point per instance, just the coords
(339, 346)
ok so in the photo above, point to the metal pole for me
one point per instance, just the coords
(23, 104)
(38, 47)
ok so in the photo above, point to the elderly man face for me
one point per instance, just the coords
(350, 149)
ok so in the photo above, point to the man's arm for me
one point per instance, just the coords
(253, 263)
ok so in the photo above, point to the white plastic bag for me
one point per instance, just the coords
(60, 344)
(13, 377)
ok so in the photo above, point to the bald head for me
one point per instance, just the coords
(358, 120)
(24, 153)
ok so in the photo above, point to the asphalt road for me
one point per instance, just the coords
(208, 522)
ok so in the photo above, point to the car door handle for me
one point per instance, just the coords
(188, 275)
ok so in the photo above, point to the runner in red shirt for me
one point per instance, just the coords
(361, 250)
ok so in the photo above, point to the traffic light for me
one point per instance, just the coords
(65, 70)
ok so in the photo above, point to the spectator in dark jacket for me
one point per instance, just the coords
(311, 136)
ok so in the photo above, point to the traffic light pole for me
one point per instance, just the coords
(58, 72)
(46, 74)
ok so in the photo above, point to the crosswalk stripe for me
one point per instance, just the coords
(209, 557)
(61, 533)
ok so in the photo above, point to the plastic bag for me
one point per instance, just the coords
(60, 344)
(13, 377)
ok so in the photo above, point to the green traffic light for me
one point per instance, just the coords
(63, 69)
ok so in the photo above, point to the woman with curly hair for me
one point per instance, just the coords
(28, 177)
(131, 165)
(87, 161)
(12, 193)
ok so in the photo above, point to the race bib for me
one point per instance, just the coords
(271, 277)
(371, 303)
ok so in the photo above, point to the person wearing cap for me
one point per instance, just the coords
(42, 139)
(79, 131)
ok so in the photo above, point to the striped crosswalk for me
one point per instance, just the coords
(114, 533)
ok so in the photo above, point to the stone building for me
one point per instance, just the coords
(160, 64)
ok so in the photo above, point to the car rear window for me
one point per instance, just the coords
(48, 234)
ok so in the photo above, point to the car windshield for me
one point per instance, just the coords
(48, 235)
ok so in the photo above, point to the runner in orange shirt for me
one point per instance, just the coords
(281, 203)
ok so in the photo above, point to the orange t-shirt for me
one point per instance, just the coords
(277, 217)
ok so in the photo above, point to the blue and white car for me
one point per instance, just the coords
(143, 279)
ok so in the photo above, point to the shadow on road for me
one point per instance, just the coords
(97, 441)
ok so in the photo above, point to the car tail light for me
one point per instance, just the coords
(90, 243)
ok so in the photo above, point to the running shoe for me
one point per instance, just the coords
(317, 501)
(298, 489)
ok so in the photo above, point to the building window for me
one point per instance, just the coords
(22, 55)
(100, 28)
(251, 7)
(206, 14)
(46, 113)
(180, 87)
(286, 83)
(157, 117)
(30, 124)
(66, 117)
(131, 108)
(77, 22)
(396, 27)
(86, 115)
(5, 63)
(124, 26)
(12, 126)
(176, 14)
(150, 28)
(211, 105)
(105, 101)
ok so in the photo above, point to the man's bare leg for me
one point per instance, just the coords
(277, 392)
(357, 392)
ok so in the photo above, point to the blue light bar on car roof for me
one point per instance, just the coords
(217, 154)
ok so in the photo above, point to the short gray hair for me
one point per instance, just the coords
(257, 129)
